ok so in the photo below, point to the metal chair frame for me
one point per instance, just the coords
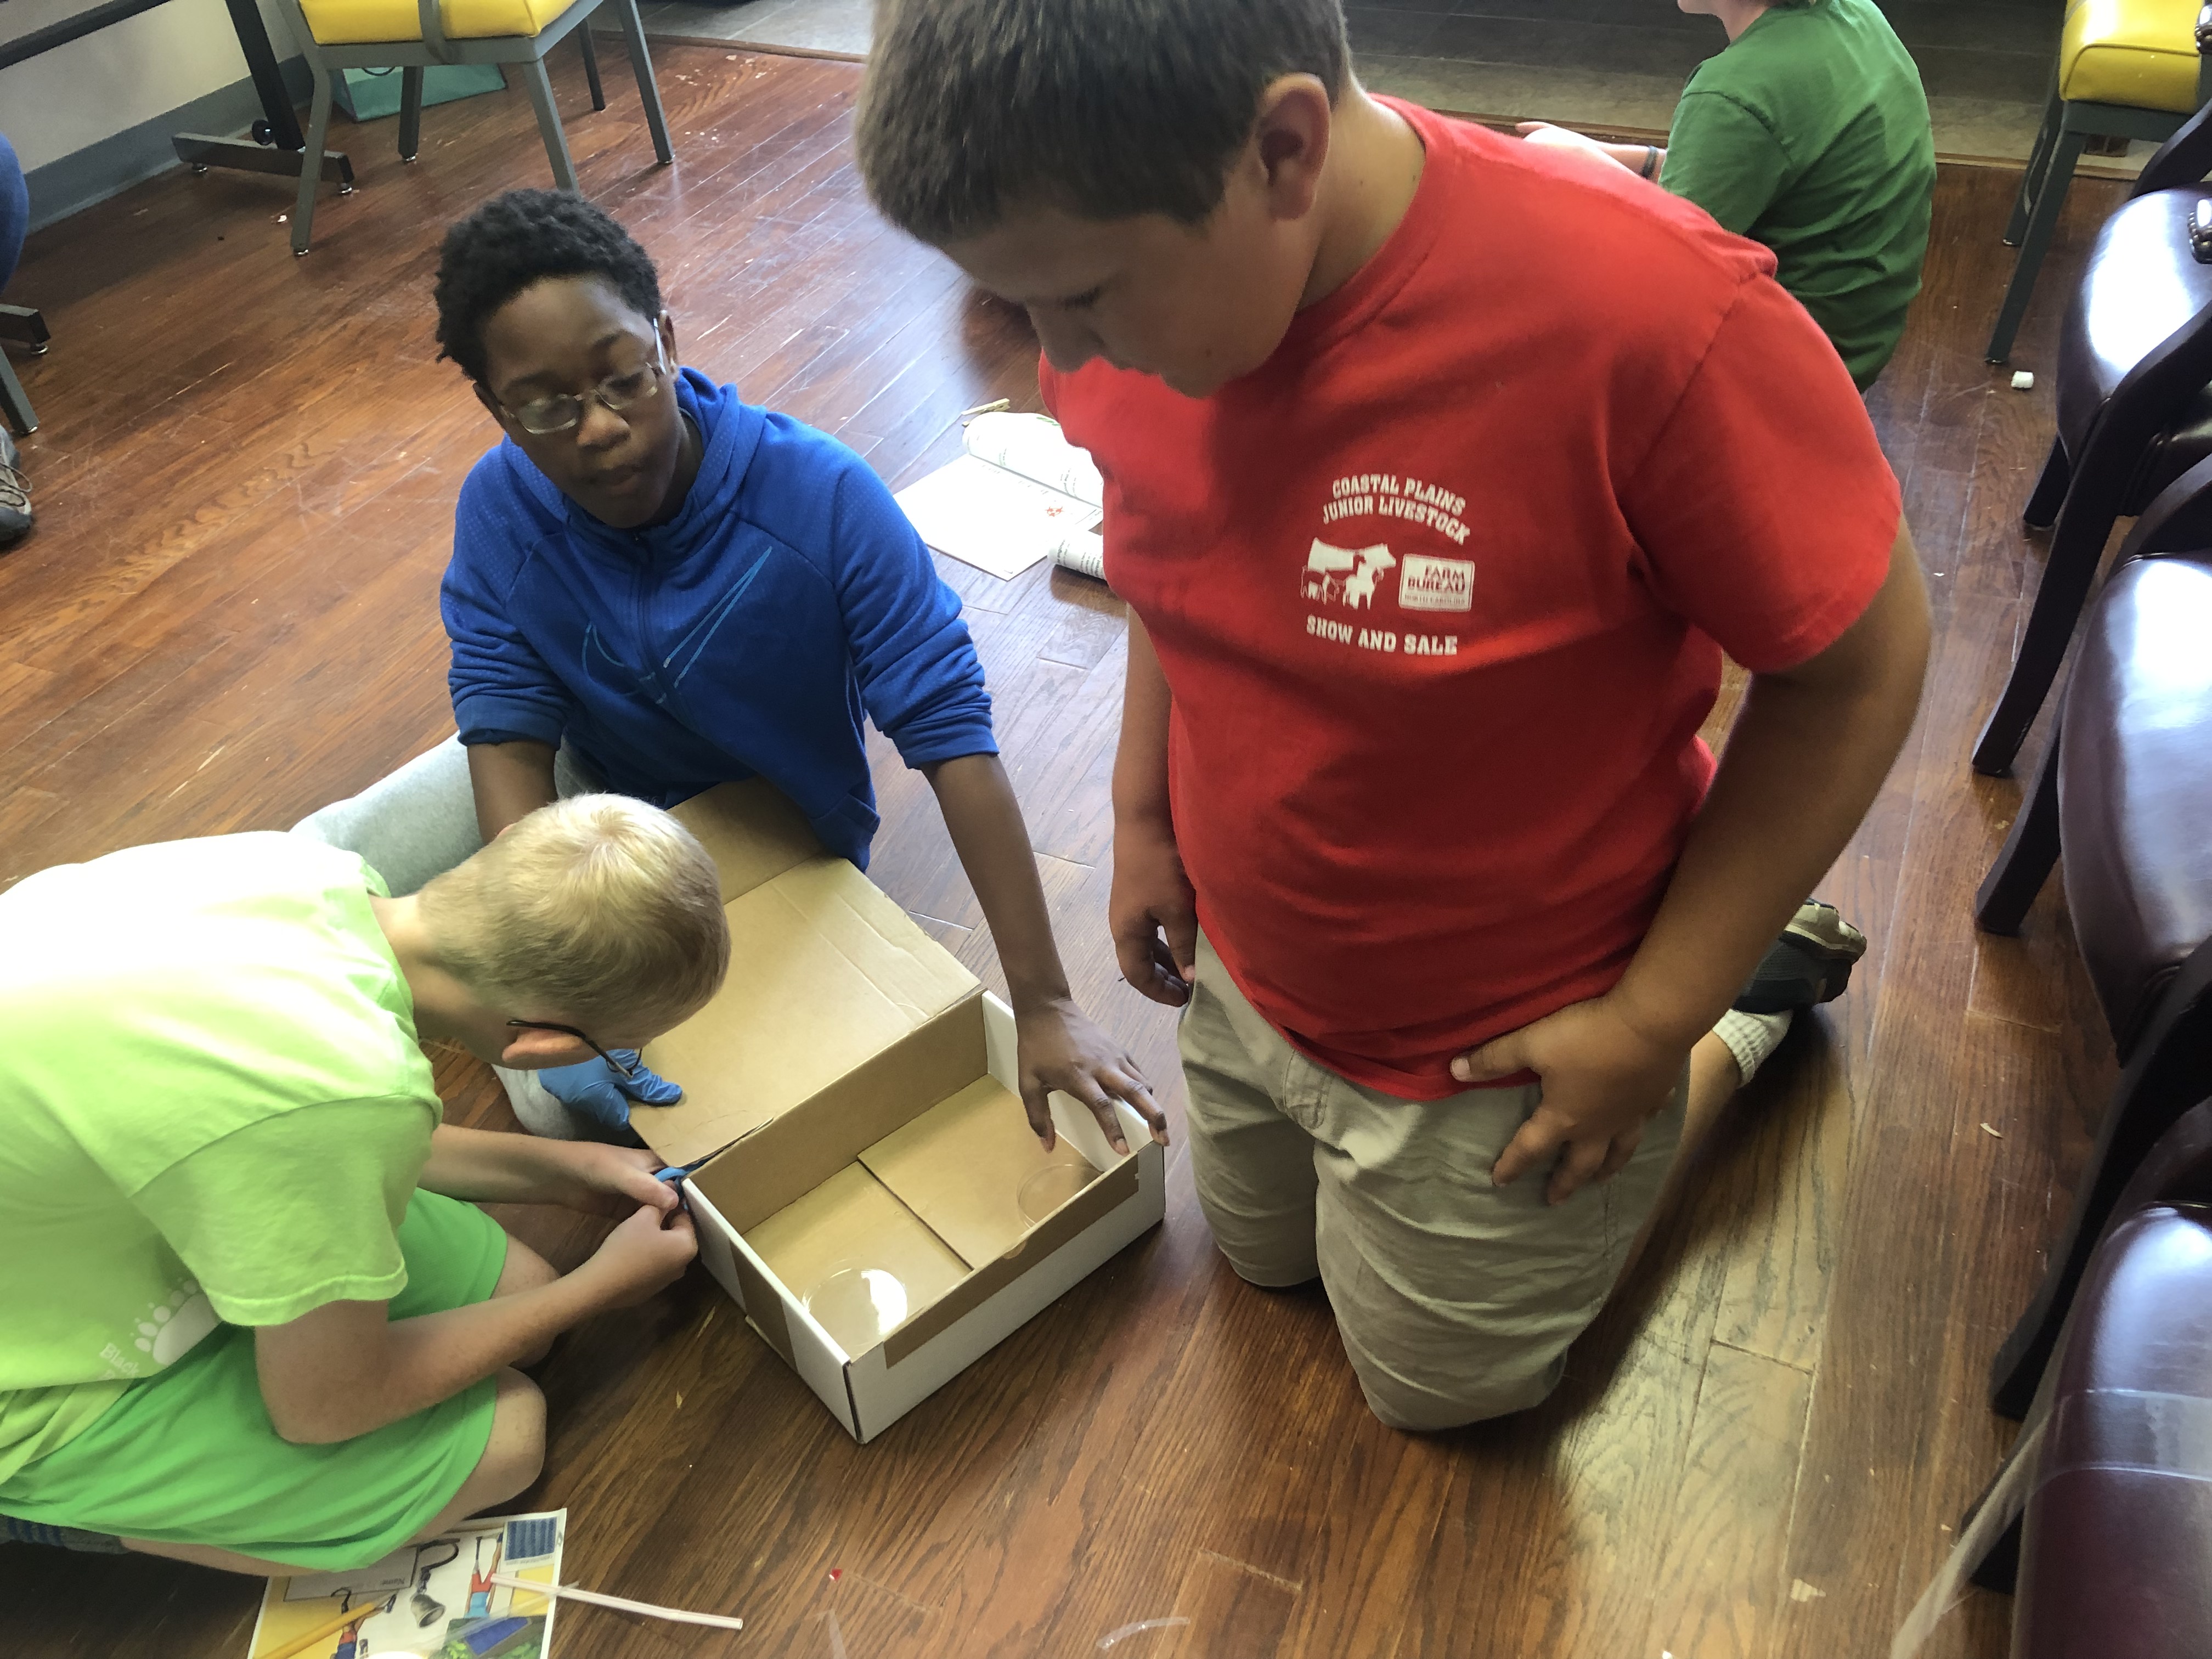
(2068, 126)
(411, 57)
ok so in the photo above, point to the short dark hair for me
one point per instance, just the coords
(523, 237)
(1104, 108)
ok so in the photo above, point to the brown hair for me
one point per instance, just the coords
(1104, 108)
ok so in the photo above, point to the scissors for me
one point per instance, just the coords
(675, 1174)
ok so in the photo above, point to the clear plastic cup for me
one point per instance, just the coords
(1047, 1188)
(859, 1306)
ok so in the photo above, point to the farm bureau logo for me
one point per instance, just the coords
(1432, 583)
(1345, 575)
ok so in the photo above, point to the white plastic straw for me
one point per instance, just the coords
(677, 1615)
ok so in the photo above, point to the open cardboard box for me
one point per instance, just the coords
(871, 1194)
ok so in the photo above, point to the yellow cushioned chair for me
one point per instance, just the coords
(2127, 69)
(412, 35)
(373, 22)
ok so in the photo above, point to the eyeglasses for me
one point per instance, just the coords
(626, 1068)
(541, 417)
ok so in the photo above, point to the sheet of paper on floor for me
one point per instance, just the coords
(990, 518)
(434, 1600)
(1021, 492)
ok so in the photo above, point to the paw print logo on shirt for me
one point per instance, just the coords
(170, 1329)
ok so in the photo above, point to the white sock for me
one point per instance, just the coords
(534, 1104)
(1752, 1037)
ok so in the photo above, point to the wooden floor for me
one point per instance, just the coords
(226, 618)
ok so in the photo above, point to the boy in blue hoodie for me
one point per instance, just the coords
(659, 588)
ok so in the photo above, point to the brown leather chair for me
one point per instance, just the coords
(2126, 791)
(2099, 1523)
(2135, 407)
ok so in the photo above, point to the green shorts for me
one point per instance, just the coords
(188, 1456)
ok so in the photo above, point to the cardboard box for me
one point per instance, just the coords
(872, 1197)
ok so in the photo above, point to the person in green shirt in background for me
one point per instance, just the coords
(1809, 133)
(250, 1316)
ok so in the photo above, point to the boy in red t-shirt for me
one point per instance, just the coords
(1439, 472)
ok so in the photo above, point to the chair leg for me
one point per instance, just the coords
(2039, 162)
(1988, 1547)
(549, 125)
(2050, 492)
(2042, 221)
(311, 161)
(27, 326)
(1989, 1532)
(649, 90)
(410, 113)
(2029, 852)
(2163, 1080)
(1999, 1569)
(591, 64)
(14, 402)
(2069, 569)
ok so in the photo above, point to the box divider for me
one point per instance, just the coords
(1117, 1186)
(784, 1159)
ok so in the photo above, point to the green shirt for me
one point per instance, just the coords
(1810, 134)
(212, 1107)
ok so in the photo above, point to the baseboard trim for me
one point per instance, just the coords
(76, 181)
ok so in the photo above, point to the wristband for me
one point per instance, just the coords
(1650, 167)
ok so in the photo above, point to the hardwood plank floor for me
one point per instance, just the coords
(228, 617)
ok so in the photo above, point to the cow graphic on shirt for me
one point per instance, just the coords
(1345, 575)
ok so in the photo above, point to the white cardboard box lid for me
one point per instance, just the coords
(825, 973)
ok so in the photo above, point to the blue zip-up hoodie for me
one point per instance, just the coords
(746, 636)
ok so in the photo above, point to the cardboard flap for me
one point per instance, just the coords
(779, 1161)
(965, 1166)
(825, 973)
(851, 1225)
(751, 830)
(863, 923)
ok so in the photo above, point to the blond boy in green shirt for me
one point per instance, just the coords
(264, 1328)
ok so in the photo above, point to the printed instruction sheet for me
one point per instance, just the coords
(1021, 492)
(434, 1600)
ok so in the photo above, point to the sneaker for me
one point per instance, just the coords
(15, 492)
(1810, 962)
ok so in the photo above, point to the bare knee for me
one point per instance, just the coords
(523, 1269)
(514, 1456)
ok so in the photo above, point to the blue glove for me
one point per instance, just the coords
(598, 1092)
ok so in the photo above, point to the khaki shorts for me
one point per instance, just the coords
(1456, 1300)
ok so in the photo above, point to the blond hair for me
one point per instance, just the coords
(599, 911)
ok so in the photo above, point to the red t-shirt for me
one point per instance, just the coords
(1441, 591)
